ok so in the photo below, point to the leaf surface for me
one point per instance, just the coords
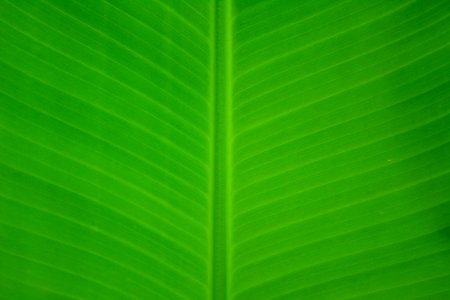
(232, 149)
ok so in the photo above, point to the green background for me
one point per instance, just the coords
(191, 149)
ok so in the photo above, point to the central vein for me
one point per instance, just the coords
(221, 271)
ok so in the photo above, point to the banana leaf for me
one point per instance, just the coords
(224, 149)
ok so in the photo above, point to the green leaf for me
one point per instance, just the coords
(227, 149)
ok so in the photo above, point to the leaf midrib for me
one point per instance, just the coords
(222, 148)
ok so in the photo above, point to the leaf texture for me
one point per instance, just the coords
(228, 149)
